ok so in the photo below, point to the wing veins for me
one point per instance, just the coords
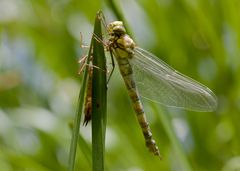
(181, 90)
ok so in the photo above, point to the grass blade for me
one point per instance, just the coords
(83, 145)
(99, 99)
(77, 119)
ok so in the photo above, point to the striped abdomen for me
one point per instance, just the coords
(127, 74)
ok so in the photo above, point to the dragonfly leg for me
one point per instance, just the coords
(99, 40)
(107, 49)
(81, 42)
(83, 60)
(82, 63)
(113, 64)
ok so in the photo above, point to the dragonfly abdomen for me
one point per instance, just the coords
(127, 74)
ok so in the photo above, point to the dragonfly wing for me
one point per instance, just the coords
(160, 83)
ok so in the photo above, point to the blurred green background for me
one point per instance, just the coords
(39, 84)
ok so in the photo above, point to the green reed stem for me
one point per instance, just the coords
(99, 98)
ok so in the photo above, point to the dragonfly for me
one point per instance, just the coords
(145, 75)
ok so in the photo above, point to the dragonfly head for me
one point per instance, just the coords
(116, 28)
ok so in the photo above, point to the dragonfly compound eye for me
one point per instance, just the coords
(119, 29)
(116, 27)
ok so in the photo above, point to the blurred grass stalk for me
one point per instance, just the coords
(114, 6)
(166, 121)
(99, 98)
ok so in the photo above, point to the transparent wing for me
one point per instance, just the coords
(160, 83)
